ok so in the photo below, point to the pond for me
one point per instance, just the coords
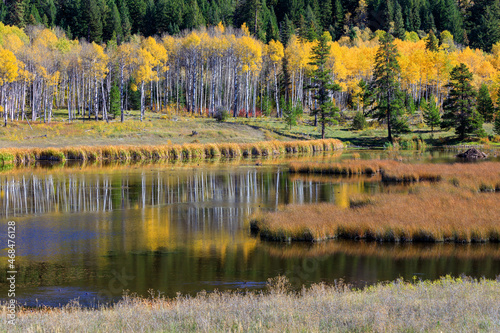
(91, 233)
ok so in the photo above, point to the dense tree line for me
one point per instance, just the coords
(473, 23)
(219, 69)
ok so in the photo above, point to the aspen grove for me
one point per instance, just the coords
(210, 70)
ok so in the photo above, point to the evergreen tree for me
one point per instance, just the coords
(399, 27)
(149, 27)
(359, 121)
(460, 107)
(491, 25)
(287, 29)
(326, 13)
(452, 20)
(432, 117)
(137, 10)
(71, 17)
(113, 22)
(428, 23)
(496, 128)
(193, 17)
(92, 21)
(16, 12)
(415, 16)
(272, 32)
(125, 19)
(432, 42)
(338, 18)
(322, 85)
(386, 12)
(366, 97)
(311, 24)
(3, 11)
(291, 113)
(485, 104)
(114, 101)
(386, 83)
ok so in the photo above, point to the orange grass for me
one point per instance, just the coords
(431, 214)
(484, 176)
(171, 152)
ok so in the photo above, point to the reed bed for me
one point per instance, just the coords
(425, 214)
(189, 151)
(484, 176)
(445, 305)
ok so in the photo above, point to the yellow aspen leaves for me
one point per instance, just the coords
(276, 51)
(8, 67)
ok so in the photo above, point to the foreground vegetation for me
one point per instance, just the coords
(461, 305)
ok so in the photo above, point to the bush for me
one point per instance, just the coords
(359, 121)
(221, 115)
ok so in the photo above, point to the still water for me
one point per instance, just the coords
(92, 233)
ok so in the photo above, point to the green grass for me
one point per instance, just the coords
(446, 305)
(159, 129)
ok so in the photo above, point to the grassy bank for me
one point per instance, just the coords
(426, 214)
(180, 128)
(165, 152)
(460, 305)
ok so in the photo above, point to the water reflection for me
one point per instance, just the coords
(93, 233)
(232, 188)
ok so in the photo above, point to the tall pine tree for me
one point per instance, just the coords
(485, 104)
(386, 82)
(460, 107)
(322, 84)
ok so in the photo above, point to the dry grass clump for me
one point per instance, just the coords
(426, 214)
(447, 305)
(230, 149)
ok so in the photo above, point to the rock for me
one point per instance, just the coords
(472, 154)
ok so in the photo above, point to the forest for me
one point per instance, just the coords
(218, 69)
(472, 23)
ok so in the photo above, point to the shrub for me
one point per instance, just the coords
(359, 121)
(221, 115)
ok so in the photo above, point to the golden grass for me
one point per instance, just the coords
(172, 152)
(425, 214)
(445, 305)
(483, 176)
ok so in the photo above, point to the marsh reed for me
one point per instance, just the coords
(483, 176)
(188, 151)
(426, 214)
